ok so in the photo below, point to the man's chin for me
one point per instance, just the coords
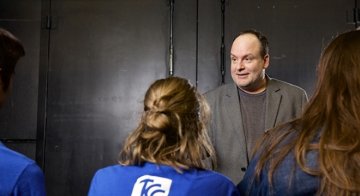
(243, 85)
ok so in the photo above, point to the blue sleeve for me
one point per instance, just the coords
(31, 182)
(215, 185)
(224, 188)
(233, 191)
(94, 189)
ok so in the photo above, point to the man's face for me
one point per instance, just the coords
(247, 64)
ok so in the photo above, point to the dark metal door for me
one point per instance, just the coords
(103, 56)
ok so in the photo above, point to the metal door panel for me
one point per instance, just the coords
(103, 56)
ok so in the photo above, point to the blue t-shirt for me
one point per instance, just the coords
(151, 179)
(19, 175)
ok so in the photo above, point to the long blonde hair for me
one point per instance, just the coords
(172, 130)
(330, 124)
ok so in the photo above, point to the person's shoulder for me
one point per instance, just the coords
(112, 170)
(32, 169)
(107, 179)
(215, 94)
(31, 181)
(273, 82)
(284, 84)
(14, 160)
(281, 135)
(214, 177)
(20, 173)
(215, 183)
(219, 89)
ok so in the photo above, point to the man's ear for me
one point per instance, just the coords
(266, 61)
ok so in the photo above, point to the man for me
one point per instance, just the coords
(243, 110)
(19, 175)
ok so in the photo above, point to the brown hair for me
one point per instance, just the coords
(11, 50)
(330, 124)
(172, 130)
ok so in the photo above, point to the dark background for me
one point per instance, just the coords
(78, 91)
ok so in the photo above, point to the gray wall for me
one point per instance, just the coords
(79, 90)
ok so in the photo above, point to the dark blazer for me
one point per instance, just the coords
(284, 102)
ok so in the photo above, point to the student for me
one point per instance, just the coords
(165, 154)
(19, 175)
(318, 153)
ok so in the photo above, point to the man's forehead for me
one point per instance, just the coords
(246, 39)
(243, 54)
(246, 44)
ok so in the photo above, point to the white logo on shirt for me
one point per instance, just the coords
(151, 185)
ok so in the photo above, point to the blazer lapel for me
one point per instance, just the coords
(234, 114)
(273, 100)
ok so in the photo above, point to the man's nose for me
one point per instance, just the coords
(239, 65)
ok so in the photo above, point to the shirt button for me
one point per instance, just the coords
(243, 169)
